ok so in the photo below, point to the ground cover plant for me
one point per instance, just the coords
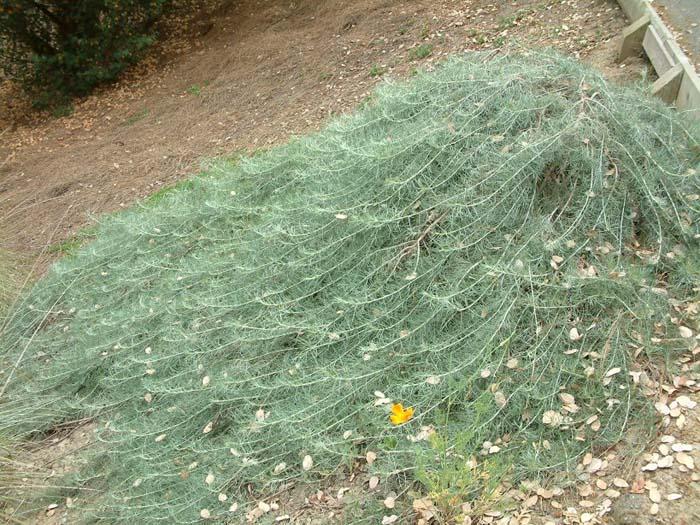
(490, 245)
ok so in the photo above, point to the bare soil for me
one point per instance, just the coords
(250, 75)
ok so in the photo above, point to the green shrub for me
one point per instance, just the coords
(376, 71)
(65, 48)
(422, 51)
(487, 243)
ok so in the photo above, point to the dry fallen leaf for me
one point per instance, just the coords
(574, 335)
(665, 462)
(567, 399)
(552, 418)
(424, 507)
(638, 486)
(370, 457)
(253, 515)
(685, 332)
(620, 483)
(655, 495)
(307, 463)
(531, 501)
(680, 422)
(686, 402)
(373, 482)
(500, 399)
(685, 460)
(662, 408)
(544, 493)
(681, 447)
(208, 427)
(585, 490)
(595, 466)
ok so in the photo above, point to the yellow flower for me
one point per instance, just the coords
(399, 414)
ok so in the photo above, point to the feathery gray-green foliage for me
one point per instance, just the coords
(249, 320)
(7, 281)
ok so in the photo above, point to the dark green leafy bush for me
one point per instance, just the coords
(61, 48)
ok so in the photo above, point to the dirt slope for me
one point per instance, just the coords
(251, 76)
(248, 77)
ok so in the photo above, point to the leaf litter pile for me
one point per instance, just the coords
(445, 289)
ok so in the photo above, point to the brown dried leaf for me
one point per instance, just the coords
(307, 463)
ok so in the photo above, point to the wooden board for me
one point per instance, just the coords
(657, 52)
(689, 92)
(677, 75)
(668, 85)
(632, 38)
